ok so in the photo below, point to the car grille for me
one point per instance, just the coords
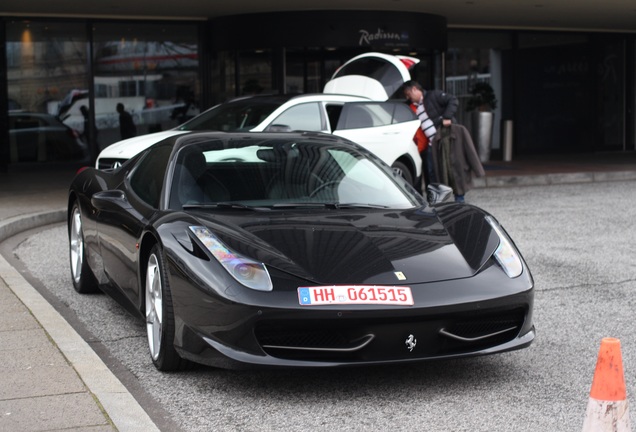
(109, 163)
(377, 340)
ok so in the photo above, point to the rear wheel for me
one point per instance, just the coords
(160, 315)
(403, 171)
(84, 280)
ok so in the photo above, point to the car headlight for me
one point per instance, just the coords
(246, 271)
(506, 254)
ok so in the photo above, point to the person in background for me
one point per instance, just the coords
(87, 136)
(435, 109)
(86, 115)
(127, 127)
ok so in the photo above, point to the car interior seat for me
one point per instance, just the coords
(196, 185)
(295, 177)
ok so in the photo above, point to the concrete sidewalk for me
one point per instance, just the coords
(53, 380)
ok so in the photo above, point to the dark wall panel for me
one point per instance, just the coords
(380, 29)
(554, 100)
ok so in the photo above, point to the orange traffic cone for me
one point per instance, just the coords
(607, 407)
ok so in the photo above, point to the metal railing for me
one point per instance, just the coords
(460, 85)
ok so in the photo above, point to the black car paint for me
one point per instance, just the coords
(214, 314)
(226, 316)
(365, 244)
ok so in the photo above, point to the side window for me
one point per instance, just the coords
(402, 113)
(26, 122)
(361, 115)
(382, 113)
(304, 117)
(356, 115)
(147, 179)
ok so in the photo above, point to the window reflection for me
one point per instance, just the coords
(475, 58)
(44, 62)
(151, 69)
(255, 72)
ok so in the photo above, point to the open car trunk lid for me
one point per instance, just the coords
(376, 76)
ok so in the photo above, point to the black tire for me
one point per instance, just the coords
(84, 280)
(403, 170)
(160, 315)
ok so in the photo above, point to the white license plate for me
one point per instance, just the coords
(355, 294)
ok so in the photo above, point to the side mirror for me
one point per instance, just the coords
(111, 200)
(279, 128)
(438, 193)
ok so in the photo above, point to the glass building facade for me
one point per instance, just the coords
(62, 80)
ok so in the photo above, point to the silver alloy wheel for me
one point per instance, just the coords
(76, 243)
(154, 306)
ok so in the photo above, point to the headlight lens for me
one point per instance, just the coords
(506, 254)
(248, 272)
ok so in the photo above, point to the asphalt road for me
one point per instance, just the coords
(578, 241)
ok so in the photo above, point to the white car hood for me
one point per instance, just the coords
(130, 147)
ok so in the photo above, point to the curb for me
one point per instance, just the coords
(552, 179)
(120, 406)
(17, 224)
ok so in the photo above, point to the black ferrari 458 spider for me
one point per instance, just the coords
(293, 249)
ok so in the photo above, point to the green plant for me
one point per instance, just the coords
(482, 98)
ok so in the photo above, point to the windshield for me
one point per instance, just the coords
(274, 173)
(240, 115)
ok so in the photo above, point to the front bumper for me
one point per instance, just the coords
(442, 324)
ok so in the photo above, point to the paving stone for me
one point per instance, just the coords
(77, 411)
(43, 380)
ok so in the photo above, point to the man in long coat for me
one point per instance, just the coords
(455, 159)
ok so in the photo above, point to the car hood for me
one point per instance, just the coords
(130, 147)
(363, 247)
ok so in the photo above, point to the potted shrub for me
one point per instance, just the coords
(482, 102)
(482, 98)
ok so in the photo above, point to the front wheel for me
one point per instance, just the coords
(84, 280)
(160, 315)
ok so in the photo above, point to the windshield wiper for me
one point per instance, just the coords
(302, 205)
(361, 205)
(223, 205)
(333, 205)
